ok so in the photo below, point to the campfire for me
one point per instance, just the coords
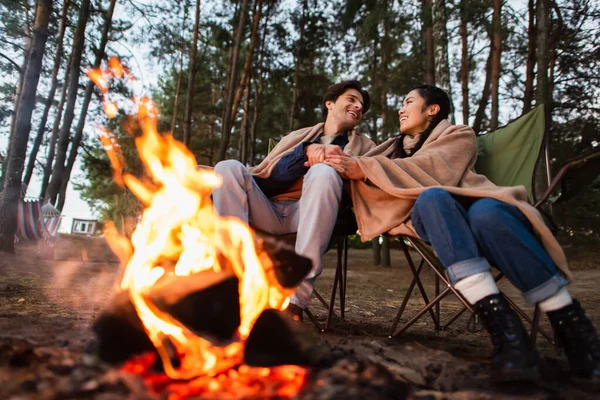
(199, 293)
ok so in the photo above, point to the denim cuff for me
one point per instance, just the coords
(462, 269)
(545, 290)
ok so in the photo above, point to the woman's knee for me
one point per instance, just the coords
(487, 215)
(432, 198)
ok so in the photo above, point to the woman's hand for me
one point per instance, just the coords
(346, 166)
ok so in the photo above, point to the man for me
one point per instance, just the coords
(291, 190)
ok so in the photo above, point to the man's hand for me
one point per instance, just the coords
(346, 166)
(317, 153)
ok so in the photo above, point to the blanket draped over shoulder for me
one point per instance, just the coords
(357, 146)
(384, 202)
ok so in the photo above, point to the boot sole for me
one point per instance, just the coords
(524, 375)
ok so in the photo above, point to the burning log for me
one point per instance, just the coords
(290, 268)
(276, 339)
(119, 331)
(207, 302)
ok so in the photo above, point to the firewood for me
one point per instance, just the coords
(207, 302)
(289, 267)
(276, 339)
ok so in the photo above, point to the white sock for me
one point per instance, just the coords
(561, 299)
(476, 287)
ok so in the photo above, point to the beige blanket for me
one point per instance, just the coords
(384, 202)
(357, 146)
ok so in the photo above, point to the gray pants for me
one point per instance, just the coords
(312, 217)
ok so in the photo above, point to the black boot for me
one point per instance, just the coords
(576, 334)
(513, 358)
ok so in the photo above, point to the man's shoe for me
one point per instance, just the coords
(513, 359)
(294, 311)
(576, 334)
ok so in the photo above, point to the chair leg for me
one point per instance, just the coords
(418, 281)
(314, 320)
(444, 293)
(340, 274)
(344, 276)
(405, 300)
(437, 305)
(336, 278)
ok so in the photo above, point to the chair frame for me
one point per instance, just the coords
(340, 278)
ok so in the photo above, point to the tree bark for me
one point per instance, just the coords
(84, 107)
(485, 95)
(20, 137)
(228, 104)
(176, 100)
(464, 61)
(248, 63)
(299, 55)
(17, 95)
(496, 65)
(63, 138)
(440, 42)
(187, 120)
(53, 85)
(429, 65)
(245, 124)
(531, 43)
(543, 56)
(54, 134)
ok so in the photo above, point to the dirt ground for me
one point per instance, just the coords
(54, 302)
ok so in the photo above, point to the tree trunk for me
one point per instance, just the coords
(440, 42)
(383, 70)
(17, 94)
(53, 85)
(176, 100)
(211, 130)
(84, 107)
(299, 55)
(187, 120)
(248, 63)
(228, 104)
(245, 124)
(485, 95)
(20, 137)
(75, 67)
(496, 65)
(531, 43)
(543, 56)
(259, 87)
(54, 134)
(464, 61)
(429, 66)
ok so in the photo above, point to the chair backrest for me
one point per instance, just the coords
(508, 155)
(272, 144)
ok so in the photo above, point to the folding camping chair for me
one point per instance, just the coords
(508, 157)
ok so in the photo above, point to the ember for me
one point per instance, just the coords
(196, 282)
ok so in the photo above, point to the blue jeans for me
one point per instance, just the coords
(469, 234)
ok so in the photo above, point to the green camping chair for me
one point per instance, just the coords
(508, 157)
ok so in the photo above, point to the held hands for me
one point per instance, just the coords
(318, 153)
(333, 156)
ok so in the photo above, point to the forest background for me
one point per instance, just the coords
(229, 75)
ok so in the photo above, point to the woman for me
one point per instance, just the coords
(471, 224)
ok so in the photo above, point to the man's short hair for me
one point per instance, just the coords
(335, 91)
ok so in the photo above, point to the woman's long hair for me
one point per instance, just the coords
(432, 95)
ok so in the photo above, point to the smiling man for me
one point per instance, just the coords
(291, 190)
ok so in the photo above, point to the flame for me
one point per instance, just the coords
(179, 223)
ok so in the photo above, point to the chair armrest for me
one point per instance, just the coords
(574, 177)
